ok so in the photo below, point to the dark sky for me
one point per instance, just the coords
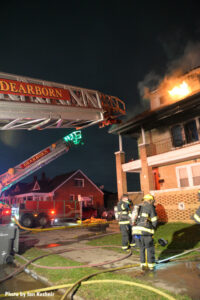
(105, 45)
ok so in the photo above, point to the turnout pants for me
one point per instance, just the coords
(126, 235)
(147, 251)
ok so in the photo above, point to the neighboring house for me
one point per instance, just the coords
(168, 137)
(63, 189)
(110, 199)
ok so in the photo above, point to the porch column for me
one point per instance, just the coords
(121, 176)
(146, 175)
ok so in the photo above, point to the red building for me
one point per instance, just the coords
(62, 191)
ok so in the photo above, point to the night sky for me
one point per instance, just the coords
(110, 46)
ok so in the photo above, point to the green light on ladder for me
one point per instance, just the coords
(74, 137)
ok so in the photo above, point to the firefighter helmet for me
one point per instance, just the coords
(126, 199)
(148, 197)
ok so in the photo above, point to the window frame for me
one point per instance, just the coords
(80, 180)
(189, 173)
(182, 124)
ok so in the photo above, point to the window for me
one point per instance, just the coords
(177, 137)
(185, 133)
(22, 206)
(87, 201)
(196, 174)
(191, 133)
(183, 177)
(79, 182)
(188, 175)
(71, 198)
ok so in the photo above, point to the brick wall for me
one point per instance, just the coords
(168, 174)
(176, 206)
(136, 197)
(68, 188)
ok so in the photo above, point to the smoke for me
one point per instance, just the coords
(150, 82)
(189, 60)
(11, 138)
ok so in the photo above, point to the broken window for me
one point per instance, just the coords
(191, 133)
(177, 136)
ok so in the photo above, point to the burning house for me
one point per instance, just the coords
(168, 137)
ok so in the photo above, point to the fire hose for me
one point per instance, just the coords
(177, 255)
(81, 281)
(81, 266)
(19, 270)
(77, 283)
(60, 227)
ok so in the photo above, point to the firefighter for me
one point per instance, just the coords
(143, 231)
(124, 218)
(196, 216)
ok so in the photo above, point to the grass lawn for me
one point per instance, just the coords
(102, 291)
(180, 237)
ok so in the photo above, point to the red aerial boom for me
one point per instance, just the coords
(28, 103)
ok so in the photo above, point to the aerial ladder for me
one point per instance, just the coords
(28, 103)
(39, 160)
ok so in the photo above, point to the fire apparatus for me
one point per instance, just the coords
(29, 211)
(28, 103)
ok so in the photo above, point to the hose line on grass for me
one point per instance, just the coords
(125, 282)
(81, 281)
(78, 282)
(19, 270)
(177, 255)
(81, 266)
(130, 283)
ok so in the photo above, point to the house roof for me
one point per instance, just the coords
(46, 185)
(165, 115)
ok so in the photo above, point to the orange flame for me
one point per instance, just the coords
(180, 91)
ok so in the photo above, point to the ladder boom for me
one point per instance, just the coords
(28, 103)
(39, 160)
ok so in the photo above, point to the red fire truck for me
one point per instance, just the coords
(34, 211)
